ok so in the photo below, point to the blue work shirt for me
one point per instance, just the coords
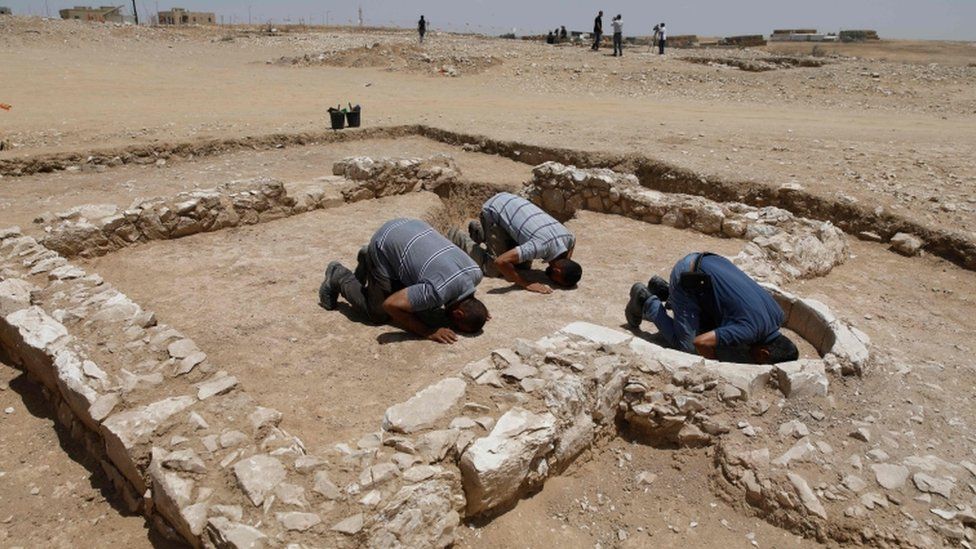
(739, 310)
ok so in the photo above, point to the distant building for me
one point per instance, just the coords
(4, 10)
(103, 14)
(800, 35)
(179, 16)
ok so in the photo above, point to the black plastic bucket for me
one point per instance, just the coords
(338, 119)
(353, 118)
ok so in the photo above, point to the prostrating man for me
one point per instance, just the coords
(514, 232)
(717, 309)
(406, 269)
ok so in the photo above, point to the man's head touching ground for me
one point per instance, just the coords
(780, 349)
(564, 272)
(510, 233)
(468, 315)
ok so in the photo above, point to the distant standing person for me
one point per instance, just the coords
(618, 35)
(662, 39)
(422, 28)
(597, 31)
(562, 34)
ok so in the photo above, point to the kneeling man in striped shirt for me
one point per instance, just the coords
(409, 268)
(515, 231)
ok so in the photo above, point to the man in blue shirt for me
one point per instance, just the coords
(717, 309)
(409, 268)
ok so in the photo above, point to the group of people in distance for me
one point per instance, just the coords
(409, 272)
(660, 38)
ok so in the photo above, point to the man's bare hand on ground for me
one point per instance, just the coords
(539, 288)
(443, 335)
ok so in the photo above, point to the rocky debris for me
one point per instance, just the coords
(222, 532)
(351, 525)
(933, 485)
(427, 59)
(890, 476)
(497, 469)
(426, 407)
(907, 244)
(419, 515)
(802, 378)
(809, 500)
(297, 521)
(781, 246)
(258, 476)
(15, 294)
(391, 176)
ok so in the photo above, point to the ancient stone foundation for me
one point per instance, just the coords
(186, 445)
(781, 246)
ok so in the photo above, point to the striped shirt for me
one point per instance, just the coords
(410, 253)
(538, 234)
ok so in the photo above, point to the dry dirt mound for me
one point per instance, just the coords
(397, 58)
(759, 65)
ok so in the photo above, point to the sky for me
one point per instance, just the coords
(913, 19)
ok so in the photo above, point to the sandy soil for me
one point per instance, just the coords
(889, 124)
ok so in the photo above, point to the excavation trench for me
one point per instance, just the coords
(653, 174)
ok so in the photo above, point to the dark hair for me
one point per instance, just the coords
(473, 316)
(782, 349)
(569, 272)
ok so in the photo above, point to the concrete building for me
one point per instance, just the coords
(180, 16)
(103, 14)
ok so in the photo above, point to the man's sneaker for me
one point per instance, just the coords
(476, 232)
(328, 296)
(635, 307)
(659, 287)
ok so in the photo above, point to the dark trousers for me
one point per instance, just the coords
(364, 294)
(597, 36)
(618, 43)
(495, 242)
(660, 45)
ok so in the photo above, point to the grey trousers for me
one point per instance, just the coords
(364, 296)
(497, 242)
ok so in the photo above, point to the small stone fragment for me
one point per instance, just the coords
(350, 526)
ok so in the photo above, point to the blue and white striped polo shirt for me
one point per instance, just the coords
(434, 271)
(538, 234)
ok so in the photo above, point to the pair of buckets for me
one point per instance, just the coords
(341, 119)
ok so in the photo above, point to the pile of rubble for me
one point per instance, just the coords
(390, 176)
(781, 246)
(762, 64)
(400, 56)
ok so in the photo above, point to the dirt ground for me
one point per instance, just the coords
(888, 124)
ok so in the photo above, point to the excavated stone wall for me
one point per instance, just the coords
(97, 229)
(781, 246)
(391, 176)
(185, 444)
